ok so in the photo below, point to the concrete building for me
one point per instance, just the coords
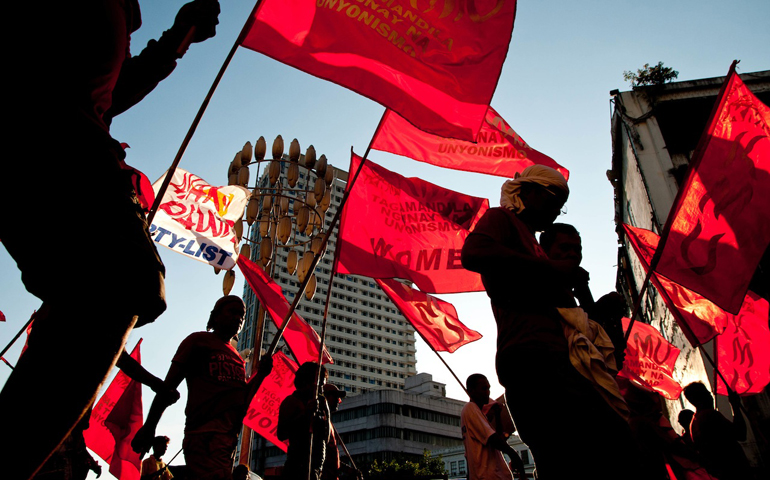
(655, 131)
(386, 424)
(371, 342)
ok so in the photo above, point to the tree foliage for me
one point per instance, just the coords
(402, 468)
(650, 75)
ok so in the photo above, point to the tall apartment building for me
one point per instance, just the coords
(373, 346)
(655, 131)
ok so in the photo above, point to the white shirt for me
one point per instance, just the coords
(484, 462)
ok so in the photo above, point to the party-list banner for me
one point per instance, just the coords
(198, 220)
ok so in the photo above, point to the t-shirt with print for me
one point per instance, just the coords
(216, 383)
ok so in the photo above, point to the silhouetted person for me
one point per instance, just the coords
(153, 467)
(333, 467)
(241, 472)
(715, 437)
(217, 393)
(71, 461)
(562, 242)
(685, 420)
(484, 446)
(300, 412)
(91, 295)
(569, 427)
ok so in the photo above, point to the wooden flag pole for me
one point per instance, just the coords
(196, 121)
(16, 337)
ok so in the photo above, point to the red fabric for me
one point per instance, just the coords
(743, 350)
(262, 416)
(398, 227)
(2, 317)
(142, 186)
(303, 341)
(115, 419)
(499, 151)
(435, 319)
(650, 360)
(700, 319)
(719, 226)
(436, 65)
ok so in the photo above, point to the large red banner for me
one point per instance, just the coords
(437, 63)
(650, 360)
(115, 419)
(262, 415)
(700, 319)
(743, 350)
(303, 341)
(719, 227)
(435, 319)
(499, 151)
(398, 227)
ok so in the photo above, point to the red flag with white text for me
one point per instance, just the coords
(398, 227)
(435, 319)
(650, 360)
(303, 341)
(262, 415)
(701, 318)
(719, 226)
(743, 350)
(435, 63)
(499, 151)
(115, 419)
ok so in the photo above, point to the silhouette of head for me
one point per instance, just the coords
(697, 394)
(685, 419)
(160, 445)
(478, 388)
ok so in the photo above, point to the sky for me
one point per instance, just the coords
(564, 59)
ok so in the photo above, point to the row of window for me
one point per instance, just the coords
(403, 410)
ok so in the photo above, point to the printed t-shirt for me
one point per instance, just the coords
(216, 384)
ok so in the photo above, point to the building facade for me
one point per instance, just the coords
(655, 130)
(386, 424)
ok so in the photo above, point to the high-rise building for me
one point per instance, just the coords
(655, 130)
(372, 345)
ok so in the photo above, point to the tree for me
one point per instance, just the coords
(402, 468)
(650, 75)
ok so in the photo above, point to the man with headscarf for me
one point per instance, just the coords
(558, 413)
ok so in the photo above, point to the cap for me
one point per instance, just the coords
(332, 390)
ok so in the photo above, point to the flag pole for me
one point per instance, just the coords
(196, 121)
(16, 337)
(444, 362)
(347, 452)
(316, 259)
(322, 249)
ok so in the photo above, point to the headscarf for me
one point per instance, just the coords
(540, 174)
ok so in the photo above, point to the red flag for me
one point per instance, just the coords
(115, 419)
(142, 185)
(2, 317)
(650, 360)
(435, 319)
(719, 226)
(397, 227)
(435, 64)
(743, 350)
(262, 416)
(303, 341)
(701, 320)
(500, 151)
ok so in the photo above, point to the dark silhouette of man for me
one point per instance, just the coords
(73, 74)
(153, 467)
(715, 437)
(218, 394)
(300, 412)
(570, 429)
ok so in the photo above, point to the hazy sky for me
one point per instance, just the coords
(564, 59)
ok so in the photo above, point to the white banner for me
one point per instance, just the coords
(197, 219)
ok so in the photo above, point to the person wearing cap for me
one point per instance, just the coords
(333, 468)
(217, 393)
(570, 429)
